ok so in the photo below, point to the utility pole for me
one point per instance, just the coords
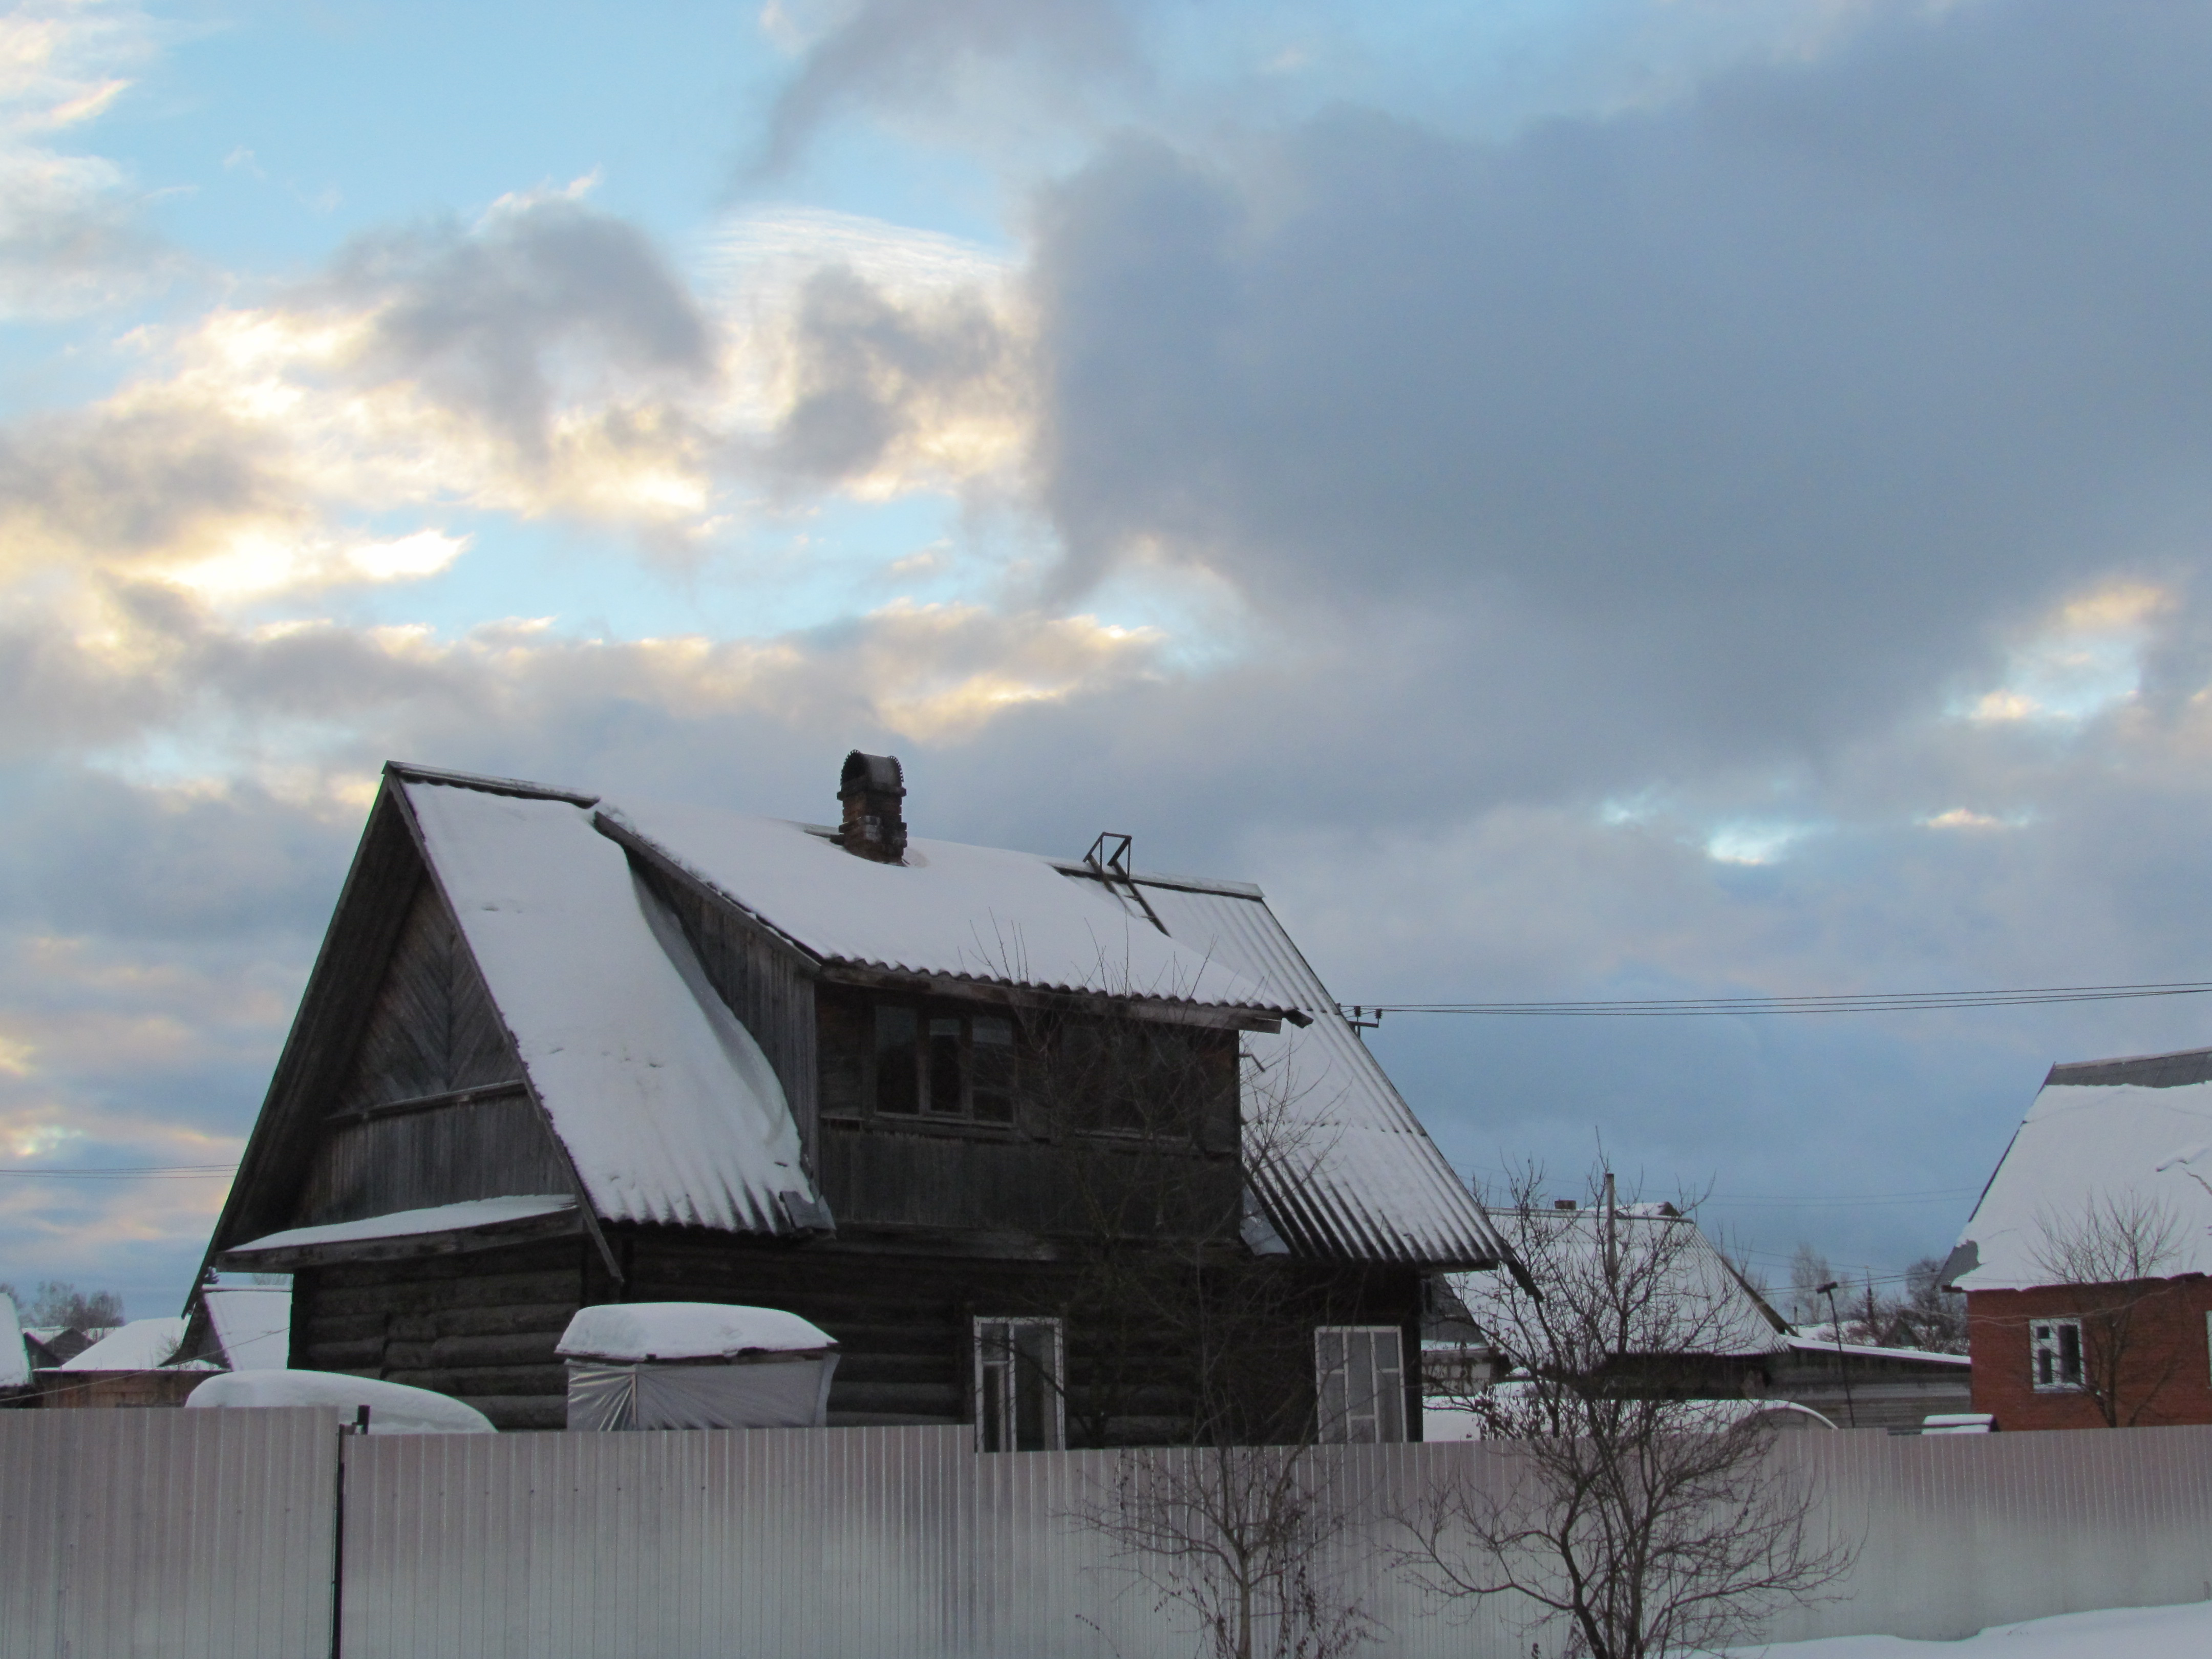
(1612, 1234)
(1843, 1363)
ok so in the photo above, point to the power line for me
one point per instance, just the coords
(1858, 1002)
(172, 1172)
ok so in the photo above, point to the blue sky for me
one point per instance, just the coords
(1605, 497)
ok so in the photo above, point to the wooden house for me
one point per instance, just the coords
(2088, 1262)
(1073, 1153)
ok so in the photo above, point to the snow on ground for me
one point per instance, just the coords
(2142, 1632)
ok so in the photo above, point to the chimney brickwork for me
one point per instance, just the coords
(872, 789)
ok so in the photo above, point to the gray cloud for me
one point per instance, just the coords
(483, 317)
(1755, 413)
(923, 52)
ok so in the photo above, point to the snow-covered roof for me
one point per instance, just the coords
(14, 1358)
(667, 1107)
(2101, 1131)
(687, 1330)
(253, 1325)
(1709, 1299)
(1809, 1340)
(143, 1344)
(407, 1223)
(976, 913)
(670, 1112)
(1359, 1176)
(394, 1407)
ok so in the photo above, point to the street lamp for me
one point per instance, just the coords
(1843, 1365)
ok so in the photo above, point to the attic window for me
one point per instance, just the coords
(2055, 1350)
(940, 1064)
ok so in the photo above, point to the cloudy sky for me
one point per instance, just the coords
(1579, 498)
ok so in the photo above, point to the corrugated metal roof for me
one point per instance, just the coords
(667, 1107)
(973, 913)
(1356, 1173)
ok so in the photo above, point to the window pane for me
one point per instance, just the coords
(992, 1078)
(944, 1069)
(897, 1064)
(2070, 1353)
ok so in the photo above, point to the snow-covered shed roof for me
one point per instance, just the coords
(629, 1331)
(667, 1107)
(1710, 1305)
(253, 1325)
(473, 1215)
(2100, 1132)
(143, 1344)
(14, 1358)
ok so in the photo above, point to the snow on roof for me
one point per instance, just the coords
(1711, 1299)
(143, 1344)
(253, 1325)
(1810, 1340)
(406, 1224)
(394, 1407)
(687, 1330)
(1361, 1177)
(2137, 1129)
(665, 1103)
(14, 1358)
(966, 912)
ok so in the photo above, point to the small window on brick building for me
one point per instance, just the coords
(1359, 1379)
(2055, 1352)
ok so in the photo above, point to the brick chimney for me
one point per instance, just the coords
(871, 788)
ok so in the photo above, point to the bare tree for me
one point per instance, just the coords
(2111, 1256)
(1238, 1537)
(58, 1303)
(1630, 1516)
(1931, 1316)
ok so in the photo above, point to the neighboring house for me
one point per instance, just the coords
(983, 1116)
(1726, 1342)
(242, 1327)
(134, 1364)
(2085, 1263)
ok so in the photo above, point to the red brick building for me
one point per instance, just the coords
(2086, 1263)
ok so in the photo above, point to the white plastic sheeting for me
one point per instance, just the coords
(966, 912)
(2101, 1144)
(1349, 1171)
(408, 1223)
(687, 1330)
(394, 1407)
(665, 1103)
(787, 1391)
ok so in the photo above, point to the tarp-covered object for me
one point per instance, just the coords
(696, 1365)
(394, 1407)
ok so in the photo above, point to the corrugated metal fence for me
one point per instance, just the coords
(188, 1532)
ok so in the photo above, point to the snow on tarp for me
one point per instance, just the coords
(665, 1103)
(406, 1224)
(2143, 1631)
(687, 1330)
(2081, 1144)
(14, 1358)
(143, 1344)
(967, 912)
(394, 1407)
(1354, 1172)
(1702, 1293)
(253, 1325)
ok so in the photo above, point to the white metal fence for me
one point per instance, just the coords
(189, 1533)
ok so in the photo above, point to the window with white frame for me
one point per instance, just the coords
(2055, 1352)
(1359, 1379)
(1020, 1372)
